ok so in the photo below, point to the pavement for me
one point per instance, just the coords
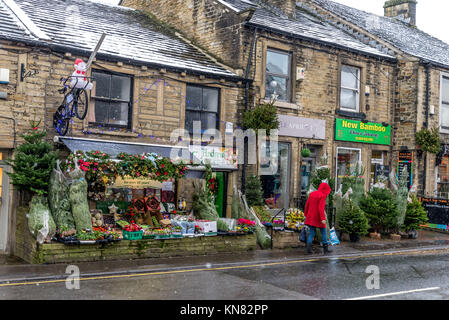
(13, 269)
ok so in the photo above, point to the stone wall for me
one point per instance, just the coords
(27, 249)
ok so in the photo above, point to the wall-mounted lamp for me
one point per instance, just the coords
(385, 124)
(365, 121)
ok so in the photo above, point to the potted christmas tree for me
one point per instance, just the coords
(353, 221)
(415, 217)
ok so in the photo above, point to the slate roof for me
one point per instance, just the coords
(408, 39)
(305, 26)
(133, 36)
(10, 27)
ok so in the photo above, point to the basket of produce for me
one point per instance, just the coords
(132, 232)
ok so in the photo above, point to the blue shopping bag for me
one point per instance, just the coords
(333, 237)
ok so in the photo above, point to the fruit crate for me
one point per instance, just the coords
(210, 234)
(135, 235)
(176, 235)
(148, 236)
(162, 236)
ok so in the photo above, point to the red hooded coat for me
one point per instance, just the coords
(315, 206)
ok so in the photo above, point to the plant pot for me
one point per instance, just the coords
(413, 234)
(354, 237)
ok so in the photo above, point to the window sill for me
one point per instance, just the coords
(351, 114)
(115, 133)
(283, 104)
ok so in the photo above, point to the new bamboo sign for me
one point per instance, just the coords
(357, 131)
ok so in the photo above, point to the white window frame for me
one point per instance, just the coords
(336, 162)
(357, 100)
(442, 75)
(288, 77)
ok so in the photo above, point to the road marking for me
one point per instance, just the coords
(6, 283)
(395, 293)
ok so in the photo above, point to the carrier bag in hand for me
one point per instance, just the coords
(333, 237)
(304, 234)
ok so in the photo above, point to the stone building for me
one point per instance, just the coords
(146, 81)
(420, 85)
(334, 91)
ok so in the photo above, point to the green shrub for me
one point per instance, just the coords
(415, 216)
(429, 140)
(254, 193)
(352, 220)
(263, 116)
(381, 209)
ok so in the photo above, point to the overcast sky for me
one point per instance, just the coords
(431, 15)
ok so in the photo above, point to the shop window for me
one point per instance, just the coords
(277, 76)
(350, 88)
(276, 187)
(202, 104)
(443, 178)
(377, 158)
(444, 114)
(347, 161)
(111, 101)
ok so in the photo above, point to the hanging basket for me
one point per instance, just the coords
(305, 152)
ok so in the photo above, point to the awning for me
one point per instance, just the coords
(113, 148)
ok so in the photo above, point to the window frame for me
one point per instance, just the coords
(336, 161)
(288, 77)
(218, 112)
(129, 124)
(443, 104)
(358, 89)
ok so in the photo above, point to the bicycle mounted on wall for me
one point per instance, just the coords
(76, 100)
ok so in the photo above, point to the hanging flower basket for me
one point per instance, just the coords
(305, 152)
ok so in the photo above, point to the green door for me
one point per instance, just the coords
(220, 195)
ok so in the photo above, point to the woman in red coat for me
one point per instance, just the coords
(316, 216)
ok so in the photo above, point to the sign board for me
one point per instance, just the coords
(218, 157)
(357, 131)
(136, 183)
(302, 127)
(4, 76)
(405, 161)
(437, 212)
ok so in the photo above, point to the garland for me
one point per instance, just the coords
(99, 166)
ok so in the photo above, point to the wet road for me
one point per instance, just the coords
(401, 276)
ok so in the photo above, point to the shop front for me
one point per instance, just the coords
(300, 144)
(362, 150)
(106, 196)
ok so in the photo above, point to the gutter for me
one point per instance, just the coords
(114, 58)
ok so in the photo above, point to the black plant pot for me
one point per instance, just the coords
(413, 234)
(354, 237)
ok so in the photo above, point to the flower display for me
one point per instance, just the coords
(246, 225)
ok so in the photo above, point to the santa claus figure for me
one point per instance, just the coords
(79, 79)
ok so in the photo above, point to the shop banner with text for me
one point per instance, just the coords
(357, 131)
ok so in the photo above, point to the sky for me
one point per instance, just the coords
(431, 15)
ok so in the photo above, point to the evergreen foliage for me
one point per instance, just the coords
(416, 215)
(263, 116)
(254, 192)
(381, 209)
(33, 162)
(352, 219)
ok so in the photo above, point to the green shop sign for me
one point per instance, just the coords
(357, 131)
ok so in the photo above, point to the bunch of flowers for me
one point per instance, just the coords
(246, 225)
(278, 223)
(133, 227)
(294, 216)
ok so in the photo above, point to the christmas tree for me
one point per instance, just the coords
(352, 219)
(254, 191)
(416, 215)
(33, 162)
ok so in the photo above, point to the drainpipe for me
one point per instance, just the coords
(248, 66)
(427, 66)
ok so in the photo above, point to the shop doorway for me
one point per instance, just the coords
(220, 196)
(276, 188)
(4, 204)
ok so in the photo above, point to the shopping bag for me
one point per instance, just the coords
(304, 234)
(333, 237)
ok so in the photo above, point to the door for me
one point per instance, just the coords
(220, 195)
(4, 218)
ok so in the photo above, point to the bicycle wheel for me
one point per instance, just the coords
(61, 121)
(81, 104)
